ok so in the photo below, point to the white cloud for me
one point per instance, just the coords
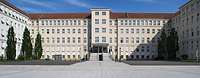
(79, 3)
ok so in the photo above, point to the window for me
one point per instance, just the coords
(96, 13)
(153, 31)
(148, 31)
(110, 40)
(84, 40)
(104, 30)
(96, 21)
(103, 39)
(127, 40)
(143, 40)
(73, 40)
(121, 40)
(79, 39)
(96, 39)
(97, 30)
(122, 30)
(68, 39)
(63, 39)
(79, 30)
(73, 31)
(103, 21)
(68, 31)
(138, 22)
(58, 31)
(42, 31)
(58, 40)
(154, 22)
(122, 22)
(132, 30)
(85, 31)
(134, 22)
(127, 30)
(53, 40)
(143, 31)
(110, 31)
(47, 31)
(148, 39)
(137, 31)
(47, 39)
(63, 30)
(132, 40)
(103, 13)
(137, 40)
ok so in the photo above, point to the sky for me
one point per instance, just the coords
(62, 6)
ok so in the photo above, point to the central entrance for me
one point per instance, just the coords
(98, 50)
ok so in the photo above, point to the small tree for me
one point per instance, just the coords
(26, 45)
(38, 47)
(172, 44)
(11, 45)
(162, 52)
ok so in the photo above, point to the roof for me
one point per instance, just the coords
(59, 15)
(88, 15)
(12, 6)
(142, 15)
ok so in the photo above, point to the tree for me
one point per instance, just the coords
(11, 45)
(172, 44)
(162, 51)
(38, 47)
(26, 45)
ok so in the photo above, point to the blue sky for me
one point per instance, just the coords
(39, 6)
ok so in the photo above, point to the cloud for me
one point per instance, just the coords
(79, 3)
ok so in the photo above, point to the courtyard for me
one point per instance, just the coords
(99, 69)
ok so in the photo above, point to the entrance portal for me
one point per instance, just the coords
(98, 50)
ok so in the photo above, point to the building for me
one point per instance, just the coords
(11, 16)
(75, 36)
(187, 24)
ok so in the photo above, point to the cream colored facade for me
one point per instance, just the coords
(11, 17)
(187, 24)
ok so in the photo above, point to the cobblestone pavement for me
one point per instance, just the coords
(96, 69)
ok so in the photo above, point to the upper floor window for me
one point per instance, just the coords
(96, 21)
(96, 13)
(103, 21)
(96, 29)
(96, 39)
(104, 30)
(103, 13)
(103, 39)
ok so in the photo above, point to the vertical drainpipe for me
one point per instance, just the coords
(117, 40)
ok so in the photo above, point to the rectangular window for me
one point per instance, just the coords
(79, 30)
(96, 21)
(58, 40)
(68, 31)
(63, 30)
(121, 40)
(110, 31)
(103, 39)
(103, 21)
(47, 31)
(138, 22)
(68, 39)
(79, 39)
(137, 31)
(104, 30)
(134, 22)
(96, 13)
(73, 31)
(153, 31)
(103, 13)
(127, 30)
(96, 30)
(53, 40)
(132, 30)
(97, 39)
(58, 31)
(63, 39)
(137, 40)
(53, 30)
(110, 40)
(85, 31)
(122, 30)
(127, 40)
(74, 40)
(85, 40)
(148, 31)
(143, 31)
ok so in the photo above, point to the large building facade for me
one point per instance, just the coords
(187, 24)
(74, 36)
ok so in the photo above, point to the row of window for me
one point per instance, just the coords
(100, 13)
(63, 40)
(127, 40)
(53, 31)
(13, 15)
(59, 22)
(132, 30)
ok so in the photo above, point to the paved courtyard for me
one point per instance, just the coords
(95, 69)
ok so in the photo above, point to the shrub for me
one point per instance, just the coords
(20, 57)
(184, 57)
